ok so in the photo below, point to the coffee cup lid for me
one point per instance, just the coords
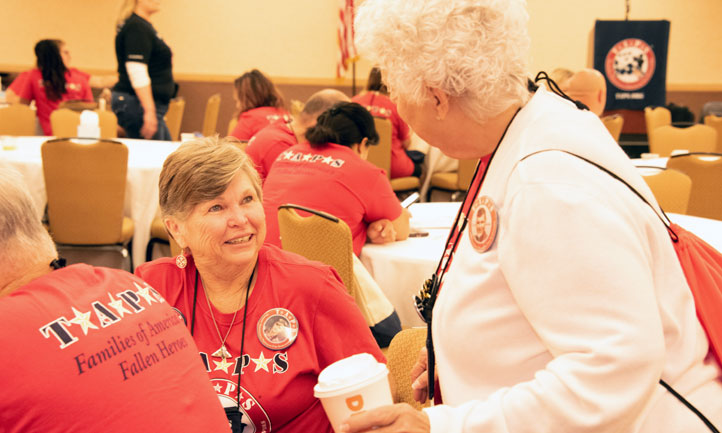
(349, 374)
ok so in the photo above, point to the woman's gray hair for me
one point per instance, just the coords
(476, 51)
(201, 170)
(23, 239)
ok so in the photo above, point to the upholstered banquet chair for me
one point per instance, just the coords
(85, 185)
(17, 119)
(655, 117)
(715, 122)
(380, 156)
(210, 118)
(705, 170)
(614, 125)
(401, 356)
(319, 236)
(232, 124)
(457, 181)
(64, 123)
(671, 188)
(159, 235)
(696, 138)
(174, 117)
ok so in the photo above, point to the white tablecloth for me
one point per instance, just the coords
(400, 268)
(145, 160)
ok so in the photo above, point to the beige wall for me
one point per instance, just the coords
(296, 39)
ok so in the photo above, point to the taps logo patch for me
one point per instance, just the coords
(630, 64)
(483, 223)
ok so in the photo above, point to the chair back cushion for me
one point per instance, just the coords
(380, 154)
(671, 188)
(174, 117)
(614, 125)
(17, 119)
(210, 119)
(705, 170)
(85, 185)
(318, 236)
(64, 122)
(697, 138)
(715, 122)
(654, 117)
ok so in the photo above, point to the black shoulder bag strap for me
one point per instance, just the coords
(674, 238)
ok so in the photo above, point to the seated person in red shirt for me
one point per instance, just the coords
(329, 173)
(259, 103)
(96, 81)
(264, 147)
(52, 82)
(89, 349)
(403, 162)
(232, 289)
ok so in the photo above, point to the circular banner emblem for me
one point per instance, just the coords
(630, 64)
(277, 328)
(483, 222)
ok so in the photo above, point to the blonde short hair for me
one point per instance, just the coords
(201, 170)
(476, 51)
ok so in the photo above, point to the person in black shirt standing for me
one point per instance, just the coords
(145, 85)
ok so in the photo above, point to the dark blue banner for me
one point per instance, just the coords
(632, 55)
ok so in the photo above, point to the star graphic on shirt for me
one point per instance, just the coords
(223, 365)
(117, 304)
(287, 154)
(328, 160)
(83, 319)
(217, 387)
(261, 362)
(144, 292)
(307, 157)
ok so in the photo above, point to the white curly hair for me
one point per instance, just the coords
(476, 51)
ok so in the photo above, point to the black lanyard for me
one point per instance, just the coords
(234, 419)
(427, 297)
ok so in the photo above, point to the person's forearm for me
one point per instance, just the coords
(11, 97)
(402, 226)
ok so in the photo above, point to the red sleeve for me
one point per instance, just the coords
(19, 83)
(340, 326)
(25, 87)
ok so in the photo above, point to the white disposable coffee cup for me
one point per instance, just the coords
(352, 385)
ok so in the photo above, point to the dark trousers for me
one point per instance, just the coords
(129, 112)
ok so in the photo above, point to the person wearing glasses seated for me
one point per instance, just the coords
(88, 348)
(562, 303)
(330, 173)
(231, 289)
(271, 141)
(259, 103)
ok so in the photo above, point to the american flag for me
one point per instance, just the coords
(347, 49)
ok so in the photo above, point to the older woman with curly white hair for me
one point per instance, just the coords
(562, 303)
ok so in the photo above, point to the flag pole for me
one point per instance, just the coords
(353, 79)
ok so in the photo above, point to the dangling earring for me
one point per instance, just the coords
(180, 260)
